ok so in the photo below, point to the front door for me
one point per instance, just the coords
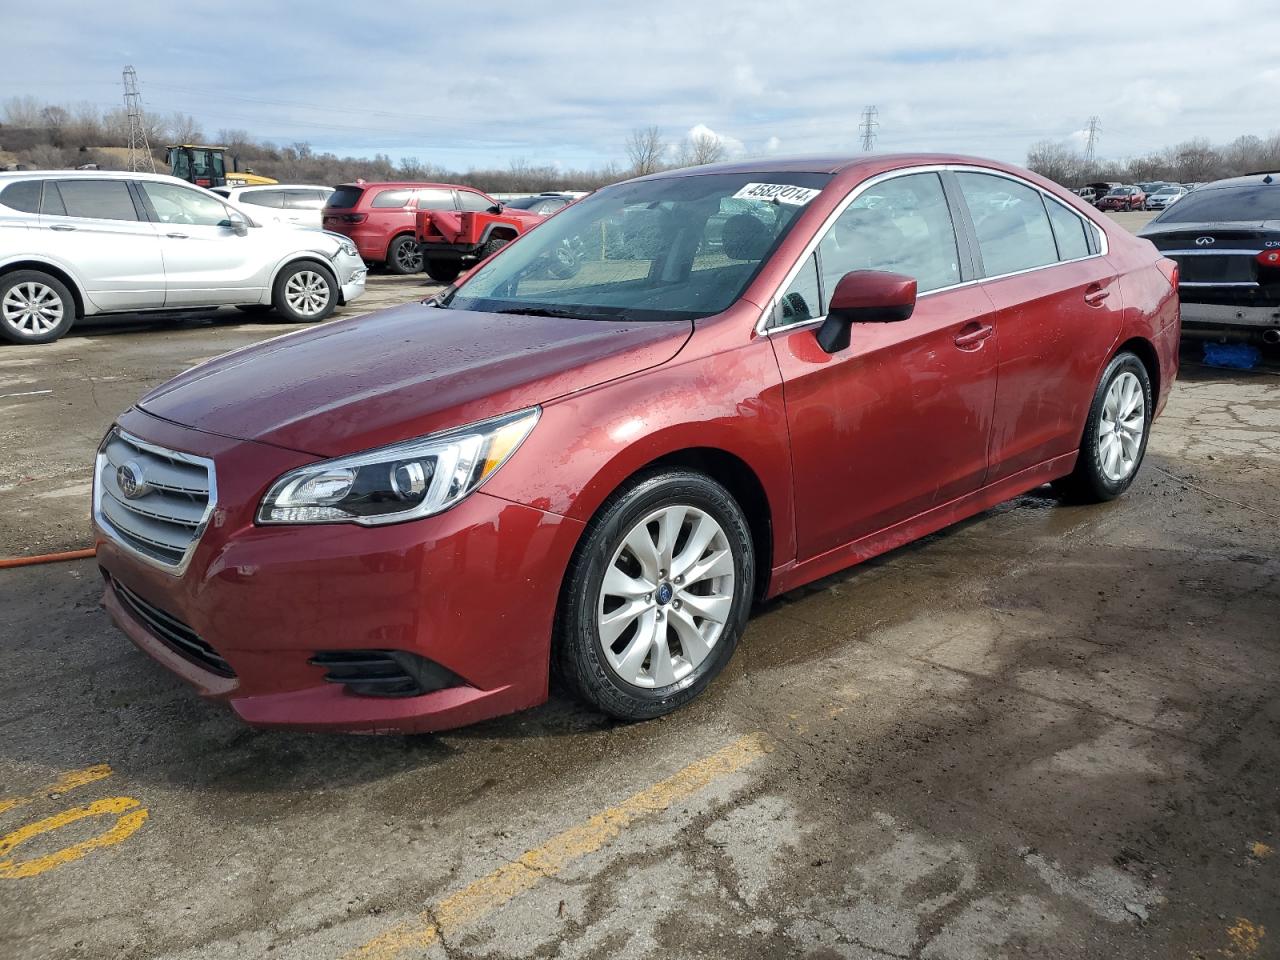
(899, 422)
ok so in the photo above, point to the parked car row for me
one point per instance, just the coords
(1154, 195)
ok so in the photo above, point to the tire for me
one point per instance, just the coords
(304, 292)
(443, 271)
(34, 307)
(653, 664)
(403, 256)
(492, 246)
(1105, 467)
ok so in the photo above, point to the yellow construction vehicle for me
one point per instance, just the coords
(205, 166)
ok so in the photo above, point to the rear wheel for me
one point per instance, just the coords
(403, 256)
(34, 307)
(656, 597)
(1115, 435)
(443, 271)
(304, 292)
(492, 246)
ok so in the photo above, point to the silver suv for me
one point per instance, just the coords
(76, 244)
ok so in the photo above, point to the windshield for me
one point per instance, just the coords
(1165, 191)
(674, 248)
(524, 203)
(1119, 191)
(1253, 201)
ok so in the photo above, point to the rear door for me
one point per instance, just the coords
(898, 423)
(97, 230)
(1056, 303)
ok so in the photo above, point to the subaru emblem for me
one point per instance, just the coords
(130, 480)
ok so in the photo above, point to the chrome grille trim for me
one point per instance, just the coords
(163, 526)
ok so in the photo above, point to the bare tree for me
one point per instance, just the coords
(22, 111)
(1057, 161)
(702, 148)
(645, 149)
(184, 128)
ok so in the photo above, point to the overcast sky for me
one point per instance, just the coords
(482, 83)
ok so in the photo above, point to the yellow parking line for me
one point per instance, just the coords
(500, 887)
(76, 778)
(132, 816)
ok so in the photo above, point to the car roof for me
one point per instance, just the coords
(1247, 181)
(834, 164)
(276, 186)
(408, 183)
(89, 175)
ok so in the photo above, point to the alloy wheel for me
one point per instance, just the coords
(666, 597)
(307, 292)
(408, 258)
(32, 308)
(1121, 427)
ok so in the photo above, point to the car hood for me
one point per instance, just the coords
(402, 373)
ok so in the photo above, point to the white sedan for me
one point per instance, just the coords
(297, 204)
(79, 243)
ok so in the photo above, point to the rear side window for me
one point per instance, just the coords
(392, 198)
(902, 225)
(434, 199)
(1069, 231)
(344, 198)
(23, 195)
(1011, 223)
(263, 198)
(98, 199)
(473, 201)
(303, 199)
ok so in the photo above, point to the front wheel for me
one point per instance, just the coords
(403, 256)
(1115, 435)
(304, 293)
(34, 307)
(656, 597)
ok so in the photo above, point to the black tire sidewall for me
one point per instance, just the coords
(437, 269)
(281, 305)
(10, 280)
(492, 246)
(581, 661)
(1102, 487)
(393, 254)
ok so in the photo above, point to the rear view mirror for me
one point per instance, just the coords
(865, 296)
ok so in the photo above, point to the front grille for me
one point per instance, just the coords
(171, 631)
(384, 673)
(164, 518)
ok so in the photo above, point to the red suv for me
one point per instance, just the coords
(1123, 198)
(379, 217)
(758, 374)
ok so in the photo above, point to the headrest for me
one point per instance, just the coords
(745, 238)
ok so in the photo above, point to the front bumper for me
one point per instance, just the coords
(473, 589)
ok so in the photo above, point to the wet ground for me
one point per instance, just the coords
(1049, 731)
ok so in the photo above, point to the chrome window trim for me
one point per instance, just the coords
(1210, 283)
(1209, 253)
(763, 329)
(117, 537)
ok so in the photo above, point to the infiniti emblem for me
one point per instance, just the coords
(130, 480)
(1203, 241)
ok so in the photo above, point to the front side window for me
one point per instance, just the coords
(1069, 231)
(97, 199)
(392, 198)
(802, 300)
(474, 202)
(1010, 221)
(672, 248)
(903, 226)
(174, 204)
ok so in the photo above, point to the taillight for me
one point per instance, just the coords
(353, 218)
(1170, 269)
(1270, 258)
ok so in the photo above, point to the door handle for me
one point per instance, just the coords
(971, 337)
(176, 236)
(1094, 294)
(61, 227)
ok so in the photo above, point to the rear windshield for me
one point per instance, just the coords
(1251, 201)
(344, 198)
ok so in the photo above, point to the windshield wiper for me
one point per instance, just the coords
(544, 312)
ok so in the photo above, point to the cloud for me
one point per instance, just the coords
(732, 146)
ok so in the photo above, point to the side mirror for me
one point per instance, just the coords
(238, 224)
(865, 296)
(496, 208)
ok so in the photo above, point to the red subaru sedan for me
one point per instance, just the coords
(758, 374)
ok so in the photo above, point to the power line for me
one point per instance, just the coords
(139, 147)
(868, 127)
(1091, 145)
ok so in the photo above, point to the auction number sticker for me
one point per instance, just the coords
(777, 193)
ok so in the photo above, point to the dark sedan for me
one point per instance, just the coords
(1225, 237)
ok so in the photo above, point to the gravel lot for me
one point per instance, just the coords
(1049, 731)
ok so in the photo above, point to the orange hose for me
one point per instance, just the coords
(47, 558)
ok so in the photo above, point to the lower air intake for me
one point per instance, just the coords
(384, 673)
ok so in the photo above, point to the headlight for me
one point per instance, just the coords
(404, 481)
(344, 243)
